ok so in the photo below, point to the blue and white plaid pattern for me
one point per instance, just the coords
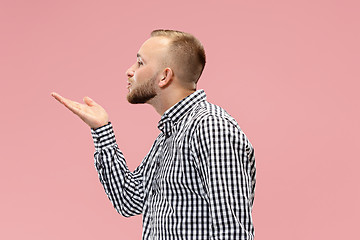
(196, 182)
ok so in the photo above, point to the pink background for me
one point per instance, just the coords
(288, 71)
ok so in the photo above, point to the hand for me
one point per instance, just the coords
(91, 113)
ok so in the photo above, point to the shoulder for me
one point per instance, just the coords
(207, 114)
(211, 124)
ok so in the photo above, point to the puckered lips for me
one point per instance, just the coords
(128, 84)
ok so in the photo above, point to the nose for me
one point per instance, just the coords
(130, 72)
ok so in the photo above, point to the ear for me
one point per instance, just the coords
(166, 77)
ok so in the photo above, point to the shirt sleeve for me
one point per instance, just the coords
(123, 188)
(227, 164)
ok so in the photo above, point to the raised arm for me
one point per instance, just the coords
(123, 188)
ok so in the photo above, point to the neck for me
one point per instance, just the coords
(166, 99)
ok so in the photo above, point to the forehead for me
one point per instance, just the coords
(154, 47)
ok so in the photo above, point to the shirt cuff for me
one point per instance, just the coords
(103, 137)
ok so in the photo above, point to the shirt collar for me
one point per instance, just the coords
(176, 112)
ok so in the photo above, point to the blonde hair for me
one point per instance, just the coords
(186, 52)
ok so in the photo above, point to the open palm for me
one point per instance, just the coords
(91, 113)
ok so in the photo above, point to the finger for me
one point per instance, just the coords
(57, 97)
(73, 106)
(61, 99)
(89, 101)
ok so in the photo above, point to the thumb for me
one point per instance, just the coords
(89, 101)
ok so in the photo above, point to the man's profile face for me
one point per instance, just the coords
(144, 75)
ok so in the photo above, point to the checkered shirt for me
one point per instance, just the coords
(196, 182)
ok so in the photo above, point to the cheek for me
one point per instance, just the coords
(139, 73)
(142, 74)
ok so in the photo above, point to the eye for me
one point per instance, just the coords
(139, 61)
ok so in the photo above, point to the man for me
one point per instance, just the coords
(198, 179)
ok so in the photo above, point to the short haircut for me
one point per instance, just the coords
(186, 52)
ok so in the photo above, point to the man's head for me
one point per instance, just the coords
(169, 57)
(185, 54)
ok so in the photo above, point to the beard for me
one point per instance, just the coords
(143, 92)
